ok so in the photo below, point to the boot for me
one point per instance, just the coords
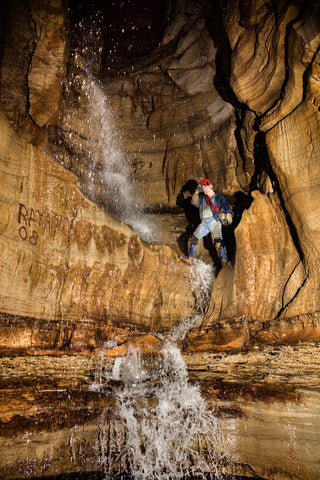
(187, 260)
(221, 250)
(192, 251)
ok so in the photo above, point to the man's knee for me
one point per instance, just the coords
(194, 240)
(218, 243)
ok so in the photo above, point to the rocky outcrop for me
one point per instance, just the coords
(291, 190)
(170, 133)
(69, 268)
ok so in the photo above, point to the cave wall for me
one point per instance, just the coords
(69, 268)
(72, 275)
(274, 296)
(225, 94)
(171, 122)
(228, 90)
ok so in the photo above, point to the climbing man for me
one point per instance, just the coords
(214, 210)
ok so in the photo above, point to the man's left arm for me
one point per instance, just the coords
(223, 204)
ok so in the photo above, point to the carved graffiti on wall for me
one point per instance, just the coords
(31, 220)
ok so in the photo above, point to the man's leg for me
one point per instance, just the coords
(216, 233)
(202, 230)
(221, 250)
(192, 251)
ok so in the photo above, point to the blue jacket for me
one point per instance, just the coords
(217, 199)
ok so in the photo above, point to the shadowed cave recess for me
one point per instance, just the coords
(118, 361)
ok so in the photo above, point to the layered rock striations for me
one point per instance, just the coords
(281, 269)
(71, 273)
(100, 130)
(170, 122)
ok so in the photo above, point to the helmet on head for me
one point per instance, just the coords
(205, 182)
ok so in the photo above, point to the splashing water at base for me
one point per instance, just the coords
(162, 428)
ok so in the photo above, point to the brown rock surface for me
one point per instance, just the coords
(265, 290)
(266, 404)
(68, 268)
(258, 256)
(257, 35)
(100, 127)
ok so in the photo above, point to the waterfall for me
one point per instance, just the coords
(202, 279)
(161, 427)
(121, 198)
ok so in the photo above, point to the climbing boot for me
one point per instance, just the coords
(221, 250)
(187, 260)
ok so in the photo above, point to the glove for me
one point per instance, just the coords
(229, 218)
(199, 188)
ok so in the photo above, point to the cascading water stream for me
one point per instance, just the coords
(121, 198)
(160, 427)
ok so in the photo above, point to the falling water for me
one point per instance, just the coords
(121, 198)
(161, 427)
(202, 278)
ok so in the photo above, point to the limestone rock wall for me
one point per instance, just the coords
(166, 116)
(176, 114)
(224, 89)
(33, 65)
(69, 267)
(285, 304)
(72, 275)
(300, 181)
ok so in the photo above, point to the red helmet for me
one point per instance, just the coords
(205, 182)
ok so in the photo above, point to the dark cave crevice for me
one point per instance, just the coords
(214, 23)
(222, 84)
(263, 165)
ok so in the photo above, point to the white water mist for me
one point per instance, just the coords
(202, 278)
(121, 198)
(161, 427)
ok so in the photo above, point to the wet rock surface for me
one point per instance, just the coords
(175, 122)
(266, 398)
(98, 136)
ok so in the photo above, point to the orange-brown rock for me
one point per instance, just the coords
(258, 50)
(250, 299)
(273, 279)
(226, 90)
(69, 267)
(266, 398)
(300, 180)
